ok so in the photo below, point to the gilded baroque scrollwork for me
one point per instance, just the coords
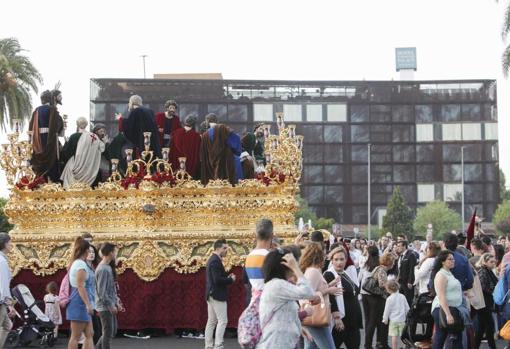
(155, 225)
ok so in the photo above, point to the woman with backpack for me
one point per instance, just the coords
(81, 301)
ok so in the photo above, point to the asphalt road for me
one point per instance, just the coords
(175, 342)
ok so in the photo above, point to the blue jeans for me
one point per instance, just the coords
(322, 338)
(441, 335)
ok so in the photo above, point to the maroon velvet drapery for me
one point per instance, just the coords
(172, 301)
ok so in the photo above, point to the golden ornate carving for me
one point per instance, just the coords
(159, 225)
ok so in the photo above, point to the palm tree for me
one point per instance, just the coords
(18, 78)
(505, 59)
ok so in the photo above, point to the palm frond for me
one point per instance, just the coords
(506, 24)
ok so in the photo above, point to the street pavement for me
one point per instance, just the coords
(174, 342)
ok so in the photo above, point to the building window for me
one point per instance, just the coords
(98, 111)
(426, 192)
(450, 112)
(332, 133)
(472, 132)
(491, 131)
(263, 112)
(219, 109)
(424, 132)
(424, 113)
(452, 132)
(359, 113)
(402, 113)
(360, 133)
(238, 112)
(452, 192)
(314, 112)
(292, 112)
(471, 112)
(337, 112)
(187, 109)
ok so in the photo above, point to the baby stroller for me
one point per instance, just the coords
(419, 322)
(36, 325)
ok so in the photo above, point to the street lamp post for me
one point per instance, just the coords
(369, 230)
(462, 180)
(143, 59)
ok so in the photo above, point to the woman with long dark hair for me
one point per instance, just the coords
(80, 307)
(488, 280)
(372, 262)
(448, 294)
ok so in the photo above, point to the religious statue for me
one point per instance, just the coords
(185, 142)
(167, 122)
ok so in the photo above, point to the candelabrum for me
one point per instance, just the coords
(182, 174)
(147, 162)
(15, 157)
(283, 152)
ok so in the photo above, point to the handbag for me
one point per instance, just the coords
(371, 285)
(505, 331)
(475, 295)
(458, 322)
(321, 316)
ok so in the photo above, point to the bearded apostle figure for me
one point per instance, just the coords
(185, 142)
(167, 122)
(83, 151)
(220, 151)
(141, 120)
(46, 125)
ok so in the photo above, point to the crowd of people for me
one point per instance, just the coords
(214, 152)
(321, 292)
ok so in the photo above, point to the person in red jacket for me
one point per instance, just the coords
(185, 142)
(167, 123)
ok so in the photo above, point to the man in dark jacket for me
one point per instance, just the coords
(216, 295)
(406, 263)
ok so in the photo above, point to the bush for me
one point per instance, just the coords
(502, 217)
(442, 218)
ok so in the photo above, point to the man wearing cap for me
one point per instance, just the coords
(168, 122)
(46, 125)
(185, 142)
(6, 308)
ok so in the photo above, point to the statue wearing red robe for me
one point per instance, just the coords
(186, 143)
(167, 124)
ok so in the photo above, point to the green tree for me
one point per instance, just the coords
(307, 214)
(5, 226)
(504, 193)
(502, 217)
(18, 78)
(442, 218)
(399, 217)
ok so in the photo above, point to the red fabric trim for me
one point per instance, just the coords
(173, 301)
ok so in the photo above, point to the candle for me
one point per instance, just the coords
(129, 155)
(165, 152)
(182, 163)
(115, 162)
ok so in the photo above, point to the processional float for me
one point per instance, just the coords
(158, 217)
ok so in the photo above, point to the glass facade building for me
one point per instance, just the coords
(415, 130)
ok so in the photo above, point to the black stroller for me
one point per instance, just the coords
(36, 325)
(419, 317)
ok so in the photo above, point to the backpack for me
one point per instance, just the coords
(64, 294)
(249, 330)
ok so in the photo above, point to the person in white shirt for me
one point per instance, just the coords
(395, 312)
(6, 308)
(424, 268)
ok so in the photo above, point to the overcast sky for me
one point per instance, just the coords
(72, 42)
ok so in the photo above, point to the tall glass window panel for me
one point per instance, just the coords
(380, 133)
(403, 133)
(425, 173)
(452, 192)
(333, 153)
(313, 154)
(238, 112)
(452, 173)
(359, 173)
(424, 113)
(473, 193)
(262, 112)
(404, 173)
(473, 173)
(333, 173)
(97, 111)
(403, 153)
(359, 153)
(491, 130)
(359, 194)
(314, 194)
(402, 113)
(293, 112)
(332, 133)
(219, 109)
(424, 132)
(333, 194)
(186, 109)
(313, 133)
(424, 152)
(450, 112)
(426, 192)
(314, 112)
(380, 113)
(472, 132)
(313, 174)
(471, 112)
(490, 112)
(451, 152)
(337, 112)
(452, 132)
(360, 133)
(360, 113)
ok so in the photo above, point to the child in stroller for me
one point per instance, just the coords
(36, 325)
(419, 314)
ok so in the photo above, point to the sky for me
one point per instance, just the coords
(71, 42)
